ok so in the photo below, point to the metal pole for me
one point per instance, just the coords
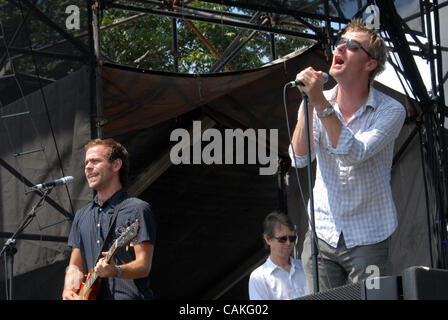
(310, 187)
(98, 72)
(273, 49)
(174, 44)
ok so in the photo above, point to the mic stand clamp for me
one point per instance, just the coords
(9, 248)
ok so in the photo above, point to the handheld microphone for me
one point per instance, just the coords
(58, 182)
(296, 83)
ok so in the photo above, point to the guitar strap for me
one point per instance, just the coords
(111, 226)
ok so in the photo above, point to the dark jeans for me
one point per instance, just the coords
(340, 266)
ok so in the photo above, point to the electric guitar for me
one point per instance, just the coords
(91, 286)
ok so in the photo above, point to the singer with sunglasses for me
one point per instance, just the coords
(352, 130)
(281, 277)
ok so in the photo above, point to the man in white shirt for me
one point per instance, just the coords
(352, 131)
(281, 277)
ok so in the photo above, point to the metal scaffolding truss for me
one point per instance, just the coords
(312, 21)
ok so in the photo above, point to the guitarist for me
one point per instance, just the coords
(126, 276)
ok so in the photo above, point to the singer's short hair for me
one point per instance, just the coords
(273, 221)
(377, 46)
(116, 151)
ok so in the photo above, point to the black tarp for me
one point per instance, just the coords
(57, 122)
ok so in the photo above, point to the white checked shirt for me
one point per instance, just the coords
(270, 282)
(352, 192)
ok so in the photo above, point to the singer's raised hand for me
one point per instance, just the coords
(313, 84)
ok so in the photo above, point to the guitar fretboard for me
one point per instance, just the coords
(93, 276)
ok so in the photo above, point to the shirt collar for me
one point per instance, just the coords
(271, 266)
(113, 200)
(372, 98)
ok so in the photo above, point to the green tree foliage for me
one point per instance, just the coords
(146, 43)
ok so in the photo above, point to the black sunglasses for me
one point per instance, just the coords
(284, 238)
(353, 45)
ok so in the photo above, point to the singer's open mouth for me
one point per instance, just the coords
(338, 60)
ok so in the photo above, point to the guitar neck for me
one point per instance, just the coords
(93, 276)
(111, 252)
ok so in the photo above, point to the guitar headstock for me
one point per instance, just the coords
(129, 234)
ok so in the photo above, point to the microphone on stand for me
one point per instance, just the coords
(296, 83)
(58, 182)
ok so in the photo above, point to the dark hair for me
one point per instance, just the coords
(274, 220)
(116, 151)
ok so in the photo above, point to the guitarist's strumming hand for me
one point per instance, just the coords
(72, 283)
(104, 269)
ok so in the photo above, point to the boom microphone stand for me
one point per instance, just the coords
(9, 248)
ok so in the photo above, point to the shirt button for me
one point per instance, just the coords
(98, 225)
(98, 242)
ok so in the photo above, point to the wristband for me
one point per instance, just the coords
(120, 270)
(328, 111)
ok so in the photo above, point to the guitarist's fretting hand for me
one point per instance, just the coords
(104, 269)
